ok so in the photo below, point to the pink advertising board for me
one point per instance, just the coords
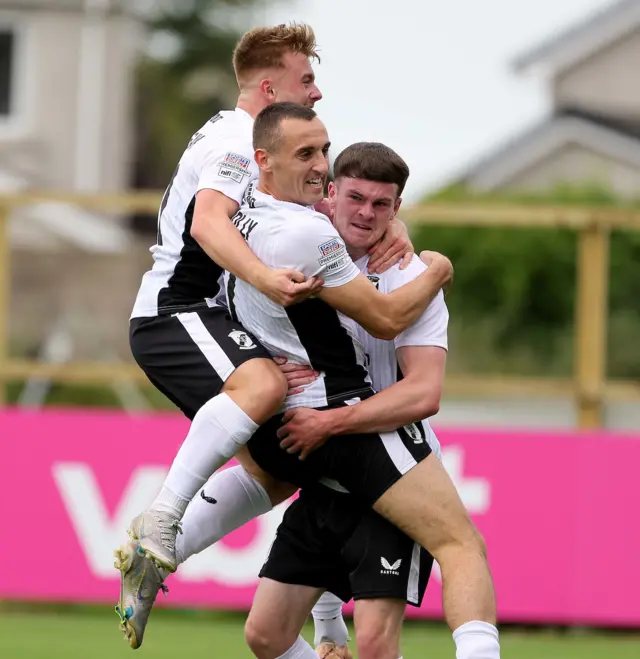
(559, 512)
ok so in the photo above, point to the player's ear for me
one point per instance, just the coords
(262, 159)
(332, 190)
(396, 206)
(266, 87)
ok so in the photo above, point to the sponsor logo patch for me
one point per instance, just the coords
(331, 247)
(234, 166)
(334, 254)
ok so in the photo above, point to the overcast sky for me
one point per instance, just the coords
(430, 78)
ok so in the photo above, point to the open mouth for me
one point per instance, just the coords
(317, 182)
(362, 227)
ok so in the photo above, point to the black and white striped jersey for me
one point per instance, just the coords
(287, 235)
(219, 157)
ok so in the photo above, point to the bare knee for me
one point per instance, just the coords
(267, 641)
(258, 387)
(463, 544)
(377, 642)
(378, 625)
(478, 542)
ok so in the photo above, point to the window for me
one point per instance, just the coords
(7, 54)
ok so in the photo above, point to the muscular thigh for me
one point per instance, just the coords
(425, 504)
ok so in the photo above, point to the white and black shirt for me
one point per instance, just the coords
(429, 330)
(287, 235)
(218, 157)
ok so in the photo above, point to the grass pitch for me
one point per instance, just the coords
(92, 633)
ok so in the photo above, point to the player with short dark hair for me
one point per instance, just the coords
(389, 471)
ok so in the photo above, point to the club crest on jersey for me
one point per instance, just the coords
(414, 433)
(375, 280)
(244, 341)
(234, 166)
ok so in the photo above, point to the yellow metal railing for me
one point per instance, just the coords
(589, 386)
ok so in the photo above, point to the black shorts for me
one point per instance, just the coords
(329, 540)
(366, 465)
(189, 356)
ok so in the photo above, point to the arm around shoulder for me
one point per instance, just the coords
(386, 316)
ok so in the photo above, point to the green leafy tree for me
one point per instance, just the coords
(513, 300)
(184, 77)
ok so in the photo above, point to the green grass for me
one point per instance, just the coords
(92, 633)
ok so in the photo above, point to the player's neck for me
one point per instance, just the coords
(266, 188)
(251, 103)
(356, 252)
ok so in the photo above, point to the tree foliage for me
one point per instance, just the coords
(184, 77)
(514, 289)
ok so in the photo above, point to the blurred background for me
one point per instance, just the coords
(521, 126)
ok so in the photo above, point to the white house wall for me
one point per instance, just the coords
(47, 85)
(608, 82)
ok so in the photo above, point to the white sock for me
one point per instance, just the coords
(238, 498)
(299, 650)
(328, 621)
(217, 431)
(477, 640)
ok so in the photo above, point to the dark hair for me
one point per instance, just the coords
(264, 47)
(372, 161)
(266, 129)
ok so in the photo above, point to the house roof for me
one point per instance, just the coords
(582, 40)
(535, 145)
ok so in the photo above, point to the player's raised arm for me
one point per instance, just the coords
(386, 316)
(222, 183)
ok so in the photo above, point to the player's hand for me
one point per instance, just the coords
(287, 287)
(303, 431)
(395, 246)
(440, 264)
(298, 375)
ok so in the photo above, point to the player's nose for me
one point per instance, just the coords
(321, 165)
(366, 212)
(316, 94)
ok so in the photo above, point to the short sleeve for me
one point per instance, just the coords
(431, 327)
(228, 168)
(315, 248)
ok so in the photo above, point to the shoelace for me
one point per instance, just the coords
(168, 531)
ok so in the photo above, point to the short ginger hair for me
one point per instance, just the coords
(264, 47)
